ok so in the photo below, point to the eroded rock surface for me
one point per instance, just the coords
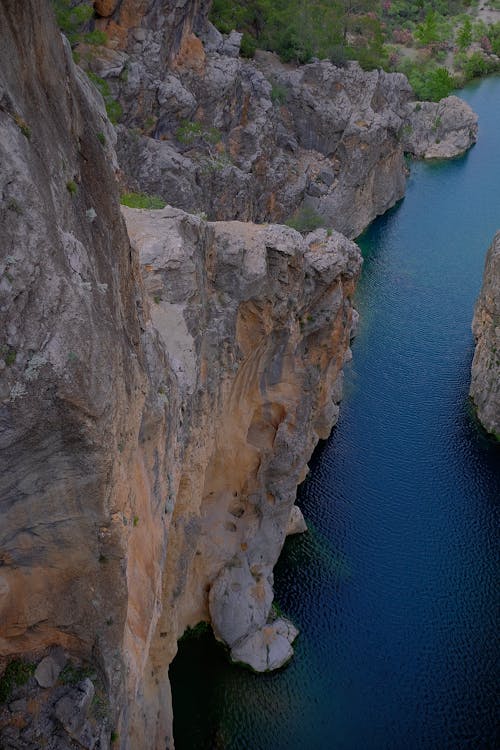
(162, 390)
(439, 130)
(260, 318)
(258, 140)
(485, 382)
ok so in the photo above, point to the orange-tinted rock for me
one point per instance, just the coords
(105, 7)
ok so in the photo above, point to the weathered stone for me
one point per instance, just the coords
(439, 130)
(49, 669)
(73, 708)
(268, 648)
(296, 522)
(485, 383)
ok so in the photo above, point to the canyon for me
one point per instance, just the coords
(166, 374)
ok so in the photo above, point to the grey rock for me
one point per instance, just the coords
(231, 44)
(439, 130)
(72, 711)
(485, 379)
(49, 669)
(18, 706)
(296, 522)
(267, 649)
(240, 601)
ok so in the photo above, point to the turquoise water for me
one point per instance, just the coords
(393, 588)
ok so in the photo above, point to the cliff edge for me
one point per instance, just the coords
(485, 380)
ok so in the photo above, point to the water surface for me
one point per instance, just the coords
(393, 588)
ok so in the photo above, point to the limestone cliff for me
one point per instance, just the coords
(163, 378)
(485, 382)
(258, 140)
(152, 434)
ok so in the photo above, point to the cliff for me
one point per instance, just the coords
(485, 380)
(164, 378)
(261, 141)
(153, 433)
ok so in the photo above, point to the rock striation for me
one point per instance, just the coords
(485, 381)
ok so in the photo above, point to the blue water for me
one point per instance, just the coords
(393, 588)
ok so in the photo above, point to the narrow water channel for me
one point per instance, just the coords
(393, 588)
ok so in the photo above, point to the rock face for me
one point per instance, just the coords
(439, 130)
(152, 433)
(162, 388)
(485, 382)
(259, 140)
(258, 323)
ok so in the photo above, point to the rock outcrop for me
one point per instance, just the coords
(439, 130)
(258, 140)
(485, 382)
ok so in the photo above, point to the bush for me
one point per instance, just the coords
(141, 200)
(70, 19)
(431, 84)
(16, 673)
(113, 108)
(305, 219)
(279, 93)
(95, 37)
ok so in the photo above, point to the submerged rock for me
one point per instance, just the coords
(485, 382)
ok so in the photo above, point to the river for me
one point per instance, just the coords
(394, 586)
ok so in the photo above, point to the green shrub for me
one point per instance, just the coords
(16, 673)
(72, 187)
(141, 200)
(71, 19)
(248, 45)
(305, 219)
(113, 108)
(279, 93)
(431, 84)
(188, 132)
(95, 37)
(10, 357)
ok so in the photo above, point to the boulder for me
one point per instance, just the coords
(240, 601)
(296, 523)
(72, 711)
(268, 648)
(49, 668)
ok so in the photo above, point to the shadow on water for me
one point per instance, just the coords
(394, 586)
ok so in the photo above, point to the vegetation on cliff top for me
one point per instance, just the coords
(438, 44)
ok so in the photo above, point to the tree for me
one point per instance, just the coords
(464, 37)
(427, 32)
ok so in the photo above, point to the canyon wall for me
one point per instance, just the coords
(485, 382)
(152, 436)
(258, 140)
(164, 378)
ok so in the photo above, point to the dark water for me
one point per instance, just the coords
(394, 588)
